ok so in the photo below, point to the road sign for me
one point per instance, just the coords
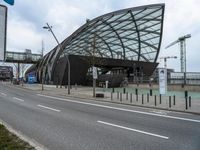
(11, 2)
(3, 25)
(94, 72)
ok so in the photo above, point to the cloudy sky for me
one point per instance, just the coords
(27, 17)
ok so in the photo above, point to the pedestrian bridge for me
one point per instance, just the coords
(22, 57)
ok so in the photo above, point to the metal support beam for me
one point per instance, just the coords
(138, 34)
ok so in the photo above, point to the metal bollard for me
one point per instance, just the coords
(186, 103)
(155, 100)
(186, 93)
(170, 102)
(131, 98)
(120, 97)
(151, 93)
(136, 91)
(147, 97)
(136, 97)
(124, 90)
(189, 101)
(117, 95)
(174, 99)
(160, 98)
(113, 90)
(127, 96)
(142, 99)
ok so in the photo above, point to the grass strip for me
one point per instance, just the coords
(9, 141)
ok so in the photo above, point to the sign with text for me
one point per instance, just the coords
(3, 24)
(162, 72)
(94, 72)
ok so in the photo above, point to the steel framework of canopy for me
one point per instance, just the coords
(134, 32)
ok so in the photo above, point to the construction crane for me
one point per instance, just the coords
(165, 60)
(182, 42)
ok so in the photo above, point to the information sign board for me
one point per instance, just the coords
(162, 72)
(94, 73)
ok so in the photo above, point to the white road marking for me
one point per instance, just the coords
(131, 129)
(3, 94)
(49, 108)
(122, 109)
(18, 99)
(159, 112)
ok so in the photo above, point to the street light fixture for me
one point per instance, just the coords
(60, 48)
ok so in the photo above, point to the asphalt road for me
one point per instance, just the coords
(67, 124)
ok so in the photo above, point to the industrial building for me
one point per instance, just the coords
(6, 73)
(121, 44)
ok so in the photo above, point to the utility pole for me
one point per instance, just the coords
(61, 48)
(94, 70)
(42, 52)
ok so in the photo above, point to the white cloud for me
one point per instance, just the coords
(22, 35)
(182, 18)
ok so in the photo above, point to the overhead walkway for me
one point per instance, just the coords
(22, 57)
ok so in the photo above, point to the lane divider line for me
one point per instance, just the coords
(42, 106)
(18, 99)
(3, 94)
(135, 130)
(122, 109)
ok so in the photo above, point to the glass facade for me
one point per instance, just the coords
(134, 33)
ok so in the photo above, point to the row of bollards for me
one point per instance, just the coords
(171, 100)
(120, 97)
(187, 100)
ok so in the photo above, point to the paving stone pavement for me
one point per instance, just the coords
(177, 103)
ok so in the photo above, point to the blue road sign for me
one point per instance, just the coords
(11, 2)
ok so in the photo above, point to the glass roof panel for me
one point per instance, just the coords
(137, 31)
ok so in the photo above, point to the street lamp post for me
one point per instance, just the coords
(61, 48)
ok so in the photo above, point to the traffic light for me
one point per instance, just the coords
(11, 2)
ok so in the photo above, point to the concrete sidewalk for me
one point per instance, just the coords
(142, 100)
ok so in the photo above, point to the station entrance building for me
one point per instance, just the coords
(121, 44)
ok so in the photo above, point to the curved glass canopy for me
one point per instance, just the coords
(129, 34)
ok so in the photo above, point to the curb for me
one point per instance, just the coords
(23, 137)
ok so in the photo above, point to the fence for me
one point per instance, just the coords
(179, 78)
(190, 78)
